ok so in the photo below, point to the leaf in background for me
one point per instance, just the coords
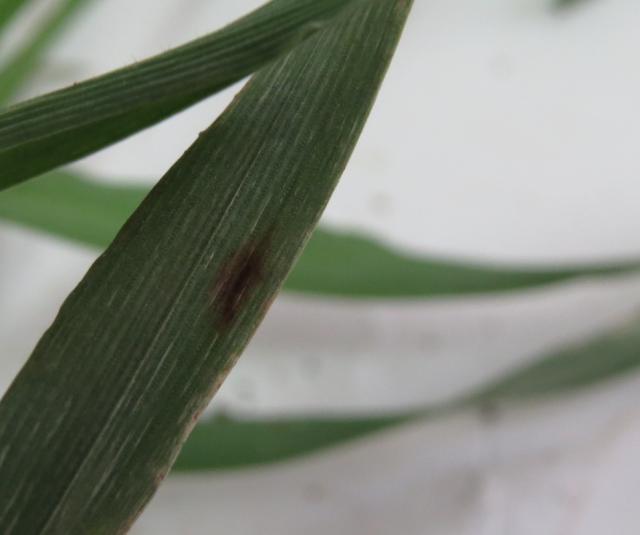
(60, 127)
(333, 263)
(562, 5)
(66, 205)
(96, 417)
(577, 366)
(222, 443)
(28, 57)
(353, 266)
(8, 10)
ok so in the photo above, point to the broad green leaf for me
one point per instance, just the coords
(333, 263)
(28, 57)
(60, 127)
(96, 417)
(222, 443)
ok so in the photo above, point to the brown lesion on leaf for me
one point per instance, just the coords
(236, 281)
(159, 477)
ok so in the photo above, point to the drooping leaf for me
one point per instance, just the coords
(333, 263)
(96, 417)
(223, 443)
(27, 58)
(60, 127)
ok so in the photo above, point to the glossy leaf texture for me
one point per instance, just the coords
(97, 416)
(49, 131)
(334, 263)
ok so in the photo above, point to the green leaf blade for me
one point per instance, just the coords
(58, 128)
(89, 212)
(8, 10)
(223, 443)
(578, 366)
(333, 264)
(27, 58)
(95, 419)
(349, 265)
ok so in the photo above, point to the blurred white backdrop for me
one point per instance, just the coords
(504, 132)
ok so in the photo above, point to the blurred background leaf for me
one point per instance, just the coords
(8, 10)
(222, 442)
(567, 4)
(24, 62)
(334, 263)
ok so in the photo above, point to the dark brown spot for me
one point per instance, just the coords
(237, 280)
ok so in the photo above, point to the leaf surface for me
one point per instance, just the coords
(60, 127)
(95, 419)
(223, 443)
(333, 263)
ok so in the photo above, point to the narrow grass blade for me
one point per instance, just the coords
(28, 57)
(580, 365)
(333, 264)
(353, 266)
(222, 443)
(95, 419)
(46, 132)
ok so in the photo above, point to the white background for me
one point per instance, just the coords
(504, 132)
